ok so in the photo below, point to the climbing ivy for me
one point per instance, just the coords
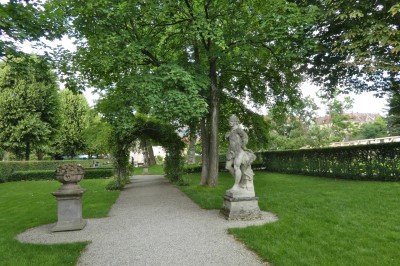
(138, 127)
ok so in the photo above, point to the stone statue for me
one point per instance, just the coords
(240, 202)
(239, 159)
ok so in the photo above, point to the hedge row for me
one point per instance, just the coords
(50, 174)
(363, 162)
(7, 168)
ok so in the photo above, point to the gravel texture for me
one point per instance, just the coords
(154, 223)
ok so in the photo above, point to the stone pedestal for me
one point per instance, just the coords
(69, 199)
(69, 204)
(240, 206)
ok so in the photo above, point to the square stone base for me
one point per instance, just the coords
(241, 208)
(71, 225)
(69, 212)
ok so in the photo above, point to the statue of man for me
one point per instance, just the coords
(239, 158)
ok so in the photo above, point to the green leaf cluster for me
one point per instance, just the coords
(358, 45)
(29, 105)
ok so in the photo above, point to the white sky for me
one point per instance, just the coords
(363, 103)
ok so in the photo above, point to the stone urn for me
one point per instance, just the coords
(69, 198)
(70, 175)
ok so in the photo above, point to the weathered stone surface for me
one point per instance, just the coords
(243, 208)
(240, 201)
(69, 198)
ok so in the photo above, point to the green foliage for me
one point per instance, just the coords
(34, 175)
(96, 135)
(116, 184)
(358, 45)
(294, 127)
(74, 120)
(30, 204)
(130, 128)
(176, 66)
(29, 105)
(341, 127)
(393, 119)
(94, 173)
(363, 162)
(376, 129)
(27, 21)
(7, 168)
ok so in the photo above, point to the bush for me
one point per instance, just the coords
(115, 184)
(7, 168)
(91, 173)
(192, 168)
(32, 175)
(364, 162)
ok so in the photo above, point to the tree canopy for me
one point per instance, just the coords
(74, 119)
(202, 48)
(358, 45)
(29, 105)
(24, 20)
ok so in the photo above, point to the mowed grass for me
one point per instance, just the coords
(321, 221)
(28, 204)
(156, 169)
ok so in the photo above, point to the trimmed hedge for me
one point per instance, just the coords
(7, 168)
(32, 175)
(94, 173)
(90, 173)
(364, 162)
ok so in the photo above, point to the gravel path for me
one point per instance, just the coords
(154, 223)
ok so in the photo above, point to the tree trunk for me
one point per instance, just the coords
(27, 151)
(151, 157)
(40, 155)
(192, 146)
(204, 152)
(214, 114)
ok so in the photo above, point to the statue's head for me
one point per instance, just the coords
(233, 120)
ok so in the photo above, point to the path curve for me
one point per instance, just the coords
(154, 223)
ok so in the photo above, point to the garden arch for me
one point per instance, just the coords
(139, 127)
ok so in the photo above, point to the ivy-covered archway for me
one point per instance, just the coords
(140, 127)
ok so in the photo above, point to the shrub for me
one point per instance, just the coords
(115, 184)
(192, 168)
(365, 162)
(91, 173)
(7, 168)
(32, 175)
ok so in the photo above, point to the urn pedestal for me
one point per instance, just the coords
(240, 206)
(69, 199)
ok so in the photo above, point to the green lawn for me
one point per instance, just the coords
(153, 170)
(321, 221)
(28, 204)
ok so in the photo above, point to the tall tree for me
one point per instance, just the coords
(74, 121)
(341, 127)
(96, 135)
(376, 129)
(29, 105)
(237, 47)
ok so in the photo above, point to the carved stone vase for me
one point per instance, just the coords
(69, 198)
